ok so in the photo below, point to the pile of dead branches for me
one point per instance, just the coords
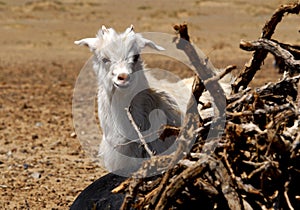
(255, 162)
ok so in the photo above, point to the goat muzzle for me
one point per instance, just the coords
(122, 80)
(123, 77)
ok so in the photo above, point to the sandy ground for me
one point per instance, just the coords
(42, 164)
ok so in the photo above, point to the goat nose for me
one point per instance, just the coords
(123, 77)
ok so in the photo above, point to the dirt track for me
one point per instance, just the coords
(42, 164)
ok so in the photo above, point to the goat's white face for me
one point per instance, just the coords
(117, 55)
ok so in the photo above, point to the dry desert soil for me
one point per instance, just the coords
(42, 163)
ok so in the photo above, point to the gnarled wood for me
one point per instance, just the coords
(259, 56)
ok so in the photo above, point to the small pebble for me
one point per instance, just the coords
(38, 124)
(9, 153)
(36, 175)
(73, 135)
(25, 166)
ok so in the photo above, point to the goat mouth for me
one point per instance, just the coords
(122, 84)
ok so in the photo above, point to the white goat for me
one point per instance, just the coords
(123, 85)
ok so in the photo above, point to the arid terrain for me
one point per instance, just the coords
(42, 164)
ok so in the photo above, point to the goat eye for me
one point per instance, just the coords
(105, 60)
(136, 58)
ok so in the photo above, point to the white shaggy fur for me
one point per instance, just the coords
(124, 83)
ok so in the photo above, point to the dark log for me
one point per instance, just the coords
(98, 196)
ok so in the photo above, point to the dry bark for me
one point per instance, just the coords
(259, 55)
(255, 163)
(270, 46)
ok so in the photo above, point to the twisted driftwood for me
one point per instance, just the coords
(255, 164)
(259, 55)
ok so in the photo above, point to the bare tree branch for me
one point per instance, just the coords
(141, 137)
(259, 56)
(275, 49)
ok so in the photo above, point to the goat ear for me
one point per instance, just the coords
(104, 29)
(149, 43)
(89, 42)
(129, 29)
